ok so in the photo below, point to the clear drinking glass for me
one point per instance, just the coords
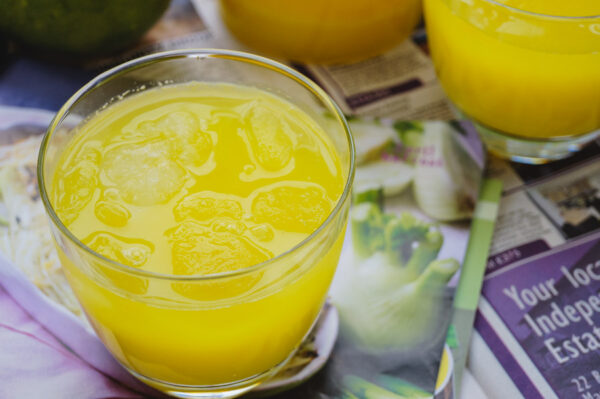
(330, 31)
(231, 330)
(530, 82)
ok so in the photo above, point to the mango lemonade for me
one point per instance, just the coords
(200, 180)
(527, 75)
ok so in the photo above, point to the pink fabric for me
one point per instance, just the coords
(34, 364)
(46, 352)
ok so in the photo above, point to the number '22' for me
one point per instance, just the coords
(582, 383)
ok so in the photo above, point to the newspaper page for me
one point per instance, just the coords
(361, 362)
(537, 334)
(399, 84)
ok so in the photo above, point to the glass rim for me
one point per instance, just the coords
(577, 18)
(194, 54)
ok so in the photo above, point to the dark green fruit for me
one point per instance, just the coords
(79, 27)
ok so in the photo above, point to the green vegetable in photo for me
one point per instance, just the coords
(393, 290)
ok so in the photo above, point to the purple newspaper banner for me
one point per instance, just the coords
(506, 258)
(512, 367)
(551, 305)
(361, 99)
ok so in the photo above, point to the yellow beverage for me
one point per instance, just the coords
(321, 31)
(193, 180)
(524, 74)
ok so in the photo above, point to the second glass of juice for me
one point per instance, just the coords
(199, 201)
(317, 31)
(527, 73)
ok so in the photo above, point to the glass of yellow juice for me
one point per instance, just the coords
(330, 31)
(198, 201)
(527, 73)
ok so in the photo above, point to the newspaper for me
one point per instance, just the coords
(398, 86)
(537, 334)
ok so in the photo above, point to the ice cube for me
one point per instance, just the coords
(202, 206)
(112, 213)
(196, 249)
(187, 137)
(75, 190)
(294, 208)
(145, 173)
(128, 251)
(269, 137)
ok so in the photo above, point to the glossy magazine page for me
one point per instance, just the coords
(383, 332)
(403, 261)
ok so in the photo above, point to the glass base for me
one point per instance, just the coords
(221, 391)
(322, 334)
(531, 151)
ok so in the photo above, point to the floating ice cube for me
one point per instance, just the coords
(128, 251)
(201, 206)
(75, 190)
(112, 213)
(186, 137)
(292, 207)
(144, 173)
(269, 136)
(196, 249)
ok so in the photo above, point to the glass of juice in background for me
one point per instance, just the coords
(320, 31)
(199, 200)
(527, 73)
